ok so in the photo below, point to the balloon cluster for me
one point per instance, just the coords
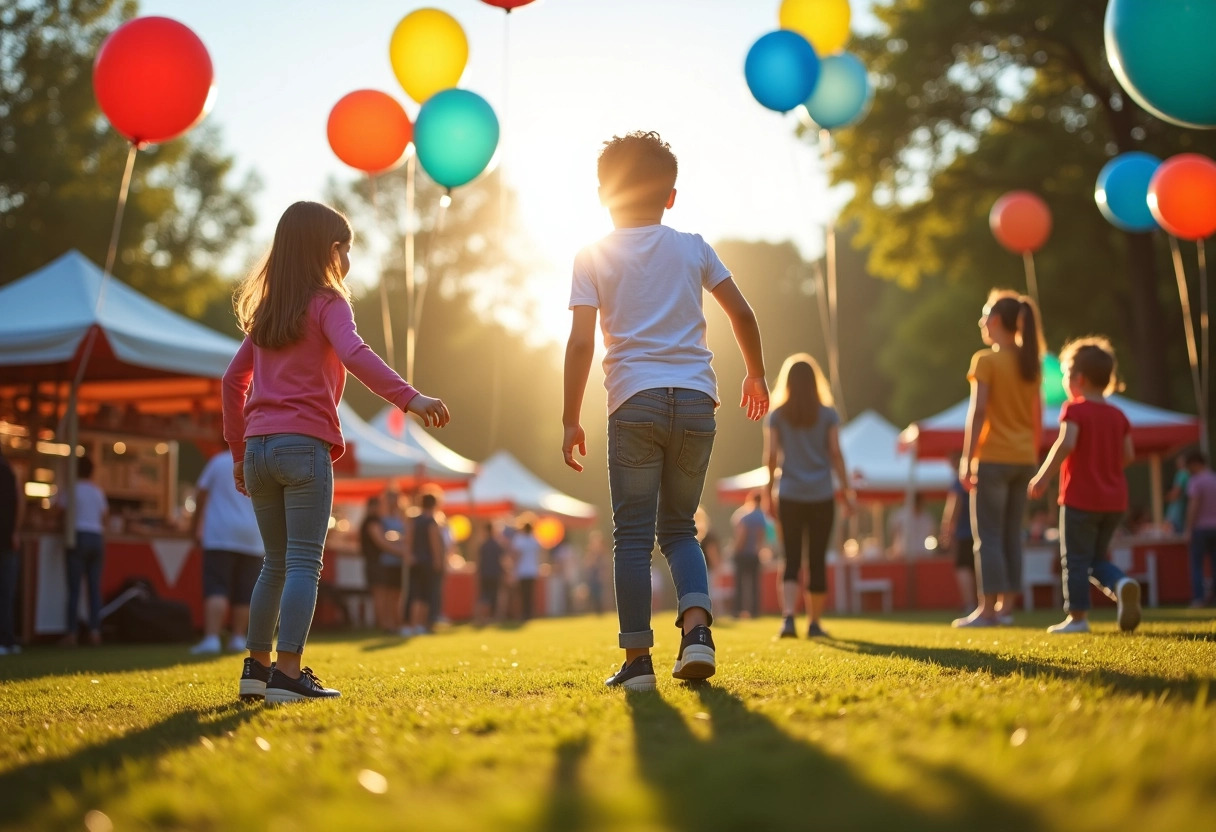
(802, 64)
(456, 131)
(1137, 192)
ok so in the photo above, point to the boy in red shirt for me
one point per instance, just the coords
(1093, 448)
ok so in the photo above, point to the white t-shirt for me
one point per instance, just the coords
(91, 506)
(527, 548)
(648, 284)
(229, 523)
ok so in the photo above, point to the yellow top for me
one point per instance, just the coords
(1009, 433)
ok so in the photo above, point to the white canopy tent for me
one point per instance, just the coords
(379, 459)
(504, 485)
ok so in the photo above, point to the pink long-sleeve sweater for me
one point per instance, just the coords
(296, 389)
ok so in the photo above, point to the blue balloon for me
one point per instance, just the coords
(1161, 52)
(842, 93)
(1122, 191)
(455, 136)
(781, 70)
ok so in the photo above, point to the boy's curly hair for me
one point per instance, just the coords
(1094, 358)
(637, 170)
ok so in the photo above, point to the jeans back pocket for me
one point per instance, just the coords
(695, 449)
(294, 464)
(634, 442)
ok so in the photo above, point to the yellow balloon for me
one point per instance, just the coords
(460, 527)
(428, 51)
(549, 531)
(825, 23)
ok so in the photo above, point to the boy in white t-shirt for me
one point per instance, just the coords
(645, 282)
(86, 558)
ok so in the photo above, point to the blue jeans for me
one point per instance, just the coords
(1085, 544)
(659, 442)
(10, 576)
(747, 584)
(290, 479)
(1203, 541)
(997, 507)
(85, 561)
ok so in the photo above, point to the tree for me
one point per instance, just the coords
(62, 164)
(975, 99)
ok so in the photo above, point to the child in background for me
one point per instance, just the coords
(1200, 522)
(86, 558)
(1093, 448)
(750, 532)
(281, 395)
(646, 282)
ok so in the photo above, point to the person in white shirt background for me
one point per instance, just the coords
(86, 558)
(226, 529)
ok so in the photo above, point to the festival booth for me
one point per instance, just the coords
(93, 363)
(882, 475)
(1158, 558)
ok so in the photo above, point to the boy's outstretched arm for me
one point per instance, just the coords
(747, 336)
(580, 349)
(1065, 442)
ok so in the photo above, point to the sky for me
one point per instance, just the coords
(562, 76)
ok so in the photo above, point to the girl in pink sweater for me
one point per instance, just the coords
(281, 395)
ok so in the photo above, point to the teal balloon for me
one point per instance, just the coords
(781, 70)
(1162, 53)
(455, 135)
(1054, 393)
(1122, 191)
(841, 94)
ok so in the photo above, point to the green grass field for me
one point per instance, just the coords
(892, 725)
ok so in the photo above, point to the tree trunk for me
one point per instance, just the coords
(1149, 337)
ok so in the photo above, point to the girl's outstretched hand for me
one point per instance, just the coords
(432, 412)
(755, 397)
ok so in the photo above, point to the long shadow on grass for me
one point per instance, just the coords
(981, 661)
(29, 787)
(566, 809)
(42, 663)
(750, 774)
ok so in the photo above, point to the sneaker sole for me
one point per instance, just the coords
(1129, 606)
(278, 696)
(696, 663)
(252, 690)
(640, 683)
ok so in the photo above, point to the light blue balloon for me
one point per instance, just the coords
(842, 92)
(1162, 54)
(1122, 191)
(781, 70)
(455, 136)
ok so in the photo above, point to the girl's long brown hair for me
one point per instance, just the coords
(272, 301)
(1019, 315)
(802, 390)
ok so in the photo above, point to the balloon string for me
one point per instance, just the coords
(496, 365)
(112, 252)
(410, 288)
(385, 316)
(1192, 351)
(1032, 281)
(1205, 353)
(436, 232)
(825, 149)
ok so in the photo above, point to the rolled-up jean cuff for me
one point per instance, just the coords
(288, 648)
(643, 638)
(259, 648)
(694, 599)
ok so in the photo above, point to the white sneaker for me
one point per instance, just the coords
(1070, 625)
(406, 632)
(4, 651)
(974, 621)
(208, 646)
(236, 644)
(1127, 592)
(1005, 619)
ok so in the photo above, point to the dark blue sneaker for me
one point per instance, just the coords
(283, 688)
(815, 631)
(787, 628)
(635, 675)
(696, 658)
(253, 680)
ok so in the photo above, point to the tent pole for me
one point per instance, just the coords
(1154, 474)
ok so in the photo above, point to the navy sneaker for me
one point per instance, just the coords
(635, 675)
(787, 628)
(282, 688)
(253, 680)
(815, 631)
(696, 658)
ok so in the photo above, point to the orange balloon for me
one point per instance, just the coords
(1182, 196)
(369, 131)
(1020, 221)
(549, 531)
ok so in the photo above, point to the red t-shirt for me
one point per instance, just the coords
(1091, 478)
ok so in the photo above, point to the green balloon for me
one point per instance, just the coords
(1053, 381)
(456, 135)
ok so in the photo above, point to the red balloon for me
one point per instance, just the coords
(1182, 196)
(1020, 221)
(507, 4)
(153, 79)
(369, 130)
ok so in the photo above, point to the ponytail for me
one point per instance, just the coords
(1030, 347)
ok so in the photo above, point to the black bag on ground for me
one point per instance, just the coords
(137, 615)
